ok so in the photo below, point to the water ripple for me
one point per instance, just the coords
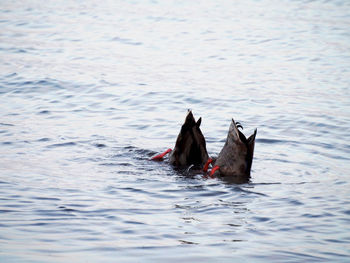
(55, 145)
(85, 107)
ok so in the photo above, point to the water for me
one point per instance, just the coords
(91, 90)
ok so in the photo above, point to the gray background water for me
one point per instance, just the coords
(90, 90)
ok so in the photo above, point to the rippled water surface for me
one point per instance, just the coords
(90, 90)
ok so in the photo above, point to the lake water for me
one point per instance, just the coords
(90, 90)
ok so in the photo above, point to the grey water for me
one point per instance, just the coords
(91, 90)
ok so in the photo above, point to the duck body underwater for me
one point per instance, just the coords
(190, 147)
(236, 157)
(233, 162)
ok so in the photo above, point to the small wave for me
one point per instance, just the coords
(100, 145)
(61, 144)
(11, 75)
(126, 41)
(109, 164)
(250, 192)
(17, 85)
(6, 124)
(261, 219)
(346, 212)
(65, 209)
(117, 164)
(44, 139)
(134, 222)
(271, 141)
(44, 112)
(7, 211)
(184, 242)
(46, 198)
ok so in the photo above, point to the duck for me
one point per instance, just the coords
(235, 159)
(190, 146)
